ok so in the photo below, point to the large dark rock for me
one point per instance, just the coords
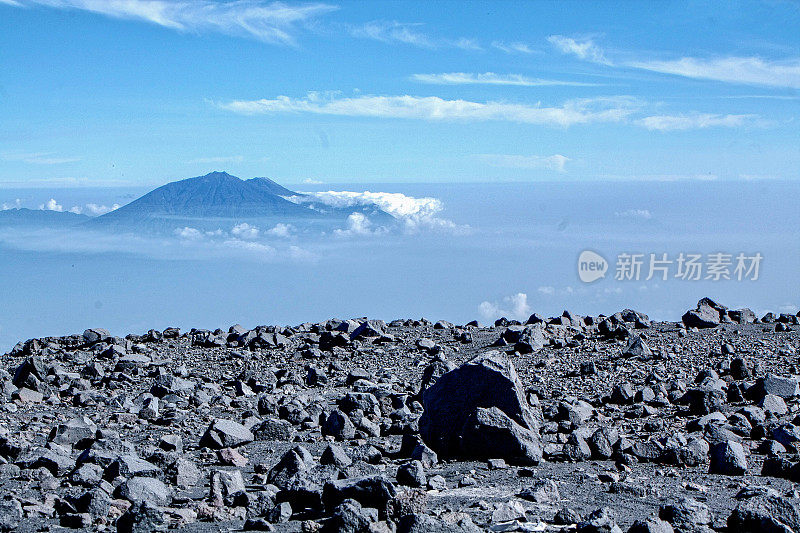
(470, 407)
(708, 314)
(728, 458)
(374, 491)
(490, 433)
(765, 514)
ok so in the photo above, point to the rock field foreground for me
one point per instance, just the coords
(573, 423)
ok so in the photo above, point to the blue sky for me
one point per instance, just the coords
(141, 92)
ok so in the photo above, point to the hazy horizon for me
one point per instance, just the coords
(508, 239)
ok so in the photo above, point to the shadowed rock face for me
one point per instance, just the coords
(708, 314)
(482, 393)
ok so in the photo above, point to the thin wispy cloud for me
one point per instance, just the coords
(514, 48)
(271, 22)
(38, 158)
(696, 121)
(583, 48)
(761, 97)
(490, 78)
(466, 44)
(551, 162)
(740, 70)
(432, 108)
(392, 32)
(731, 69)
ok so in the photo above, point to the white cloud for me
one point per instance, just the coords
(635, 213)
(392, 31)
(490, 78)
(547, 290)
(37, 158)
(515, 307)
(730, 69)
(16, 205)
(579, 111)
(514, 48)
(76, 209)
(415, 213)
(272, 22)
(466, 44)
(582, 48)
(188, 233)
(551, 162)
(98, 210)
(281, 230)
(695, 121)
(358, 224)
(51, 205)
(245, 231)
(311, 181)
(395, 203)
(740, 70)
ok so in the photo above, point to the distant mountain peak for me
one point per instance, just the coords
(213, 201)
(217, 175)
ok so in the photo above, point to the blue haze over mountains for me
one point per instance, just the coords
(217, 250)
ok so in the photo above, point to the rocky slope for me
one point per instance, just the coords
(568, 423)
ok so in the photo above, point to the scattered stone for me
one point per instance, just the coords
(222, 433)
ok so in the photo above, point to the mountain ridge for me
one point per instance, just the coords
(217, 199)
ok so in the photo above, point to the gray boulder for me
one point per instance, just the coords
(687, 514)
(149, 489)
(765, 514)
(706, 315)
(728, 458)
(453, 426)
(223, 433)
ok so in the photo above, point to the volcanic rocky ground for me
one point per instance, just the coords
(569, 423)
